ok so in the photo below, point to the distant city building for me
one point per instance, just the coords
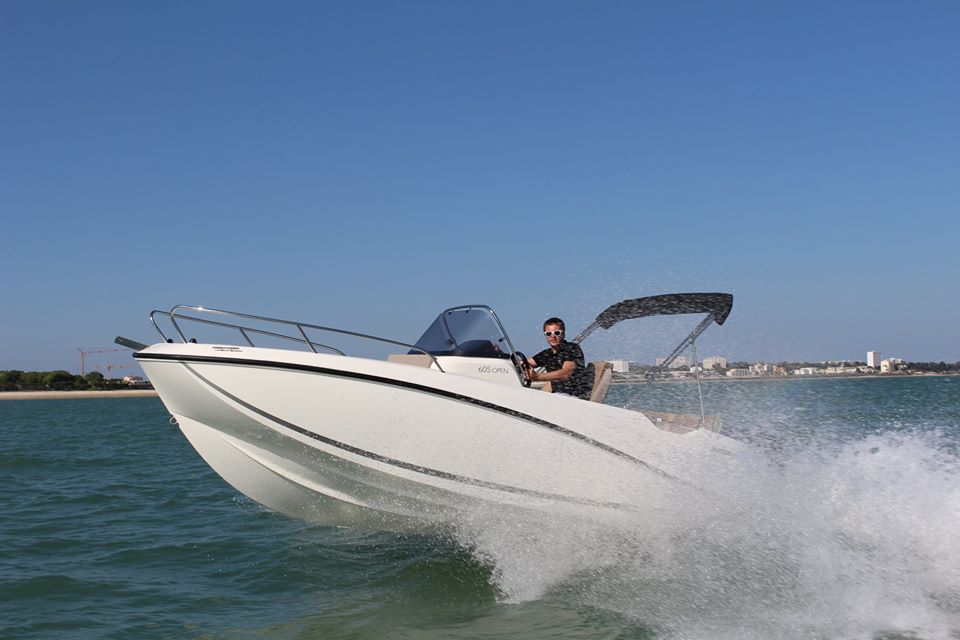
(892, 364)
(739, 373)
(807, 371)
(761, 369)
(712, 361)
(620, 366)
(873, 359)
(680, 362)
(841, 369)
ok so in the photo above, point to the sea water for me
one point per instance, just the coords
(841, 519)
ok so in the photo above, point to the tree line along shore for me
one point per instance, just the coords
(64, 381)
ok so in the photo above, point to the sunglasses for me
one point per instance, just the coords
(553, 333)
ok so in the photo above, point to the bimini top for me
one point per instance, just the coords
(717, 305)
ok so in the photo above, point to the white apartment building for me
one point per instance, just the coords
(739, 373)
(841, 369)
(761, 369)
(620, 366)
(680, 362)
(873, 359)
(892, 364)
(711, 361)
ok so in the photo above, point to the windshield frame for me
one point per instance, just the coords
(456, 339)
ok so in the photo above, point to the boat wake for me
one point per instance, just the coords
(825, 540)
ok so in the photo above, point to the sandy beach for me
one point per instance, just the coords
(66, 395)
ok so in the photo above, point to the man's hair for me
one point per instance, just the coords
(558, 321)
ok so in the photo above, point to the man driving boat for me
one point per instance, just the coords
(564, 364)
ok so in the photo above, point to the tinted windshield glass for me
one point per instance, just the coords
(465, 331)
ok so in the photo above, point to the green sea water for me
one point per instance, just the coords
(844, 523)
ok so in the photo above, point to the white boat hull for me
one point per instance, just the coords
(386, 446)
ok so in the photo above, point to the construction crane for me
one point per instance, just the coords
(85, 352)
(110, 367)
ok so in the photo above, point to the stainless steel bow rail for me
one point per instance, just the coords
(297, 331)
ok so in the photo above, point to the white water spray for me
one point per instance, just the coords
(855, 540)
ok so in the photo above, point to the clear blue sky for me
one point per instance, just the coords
(366, 164)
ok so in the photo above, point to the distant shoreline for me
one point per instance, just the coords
(822, 376)
(68, 395)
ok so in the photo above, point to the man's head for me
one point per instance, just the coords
(553, 330)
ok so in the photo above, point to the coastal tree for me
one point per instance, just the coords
(10, 380)
(58, 379)
(30, 379)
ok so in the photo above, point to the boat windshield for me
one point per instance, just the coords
(472, 331)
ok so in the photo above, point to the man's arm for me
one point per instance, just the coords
(560, 375)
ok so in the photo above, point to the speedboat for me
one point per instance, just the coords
(421, 434)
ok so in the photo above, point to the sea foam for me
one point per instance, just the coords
(811, 539)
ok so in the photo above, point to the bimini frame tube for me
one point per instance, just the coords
(689, 340)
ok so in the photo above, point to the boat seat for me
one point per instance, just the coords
(416, 359)
(602, 376)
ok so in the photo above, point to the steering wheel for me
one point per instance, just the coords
(520, 362)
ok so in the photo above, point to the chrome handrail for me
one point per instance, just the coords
(173, 315)
(243, 331)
